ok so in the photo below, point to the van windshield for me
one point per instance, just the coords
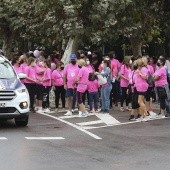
(6, 71)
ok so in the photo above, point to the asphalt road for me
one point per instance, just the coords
(80, 145)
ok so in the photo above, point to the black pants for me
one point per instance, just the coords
(85, 94)
(124, 96)
(60, 92)
(45, 103)
(114, 94)
(31, 90)
(161, 98)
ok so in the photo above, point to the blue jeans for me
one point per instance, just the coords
(105, 97)
(167, 106)
(93, 96)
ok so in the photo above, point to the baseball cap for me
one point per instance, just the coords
(73, 56)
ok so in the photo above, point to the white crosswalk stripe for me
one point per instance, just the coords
(3, 138)
(44, 138)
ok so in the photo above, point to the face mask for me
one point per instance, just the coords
(135, 67)
(88, 62)
(33, 64)
(130, 62)
(62, 68)
(79, 66)
(73, 62)
(107, 59)
(158, 64)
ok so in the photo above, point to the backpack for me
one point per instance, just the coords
(150, 78)
(168, 75)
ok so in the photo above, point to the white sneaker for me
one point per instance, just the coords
(145, 119)
(68, 113)
(83, 115)
(37, 108)
(47, 110)
(80, 113)
(40, 111)
(139, 119)
(73, 110)
(56, 110)
(160, 116)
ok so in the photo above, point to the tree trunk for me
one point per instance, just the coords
(72, 47)
(136, 46)
(7, 43)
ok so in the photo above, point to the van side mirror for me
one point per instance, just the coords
(22, 76)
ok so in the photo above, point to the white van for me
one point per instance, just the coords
(14, 97)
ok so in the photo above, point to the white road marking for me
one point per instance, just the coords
(74, 116)
(126, 123)
(90, 123)
(108, 119)
(73, 125)
(3, 138)
(44, 138)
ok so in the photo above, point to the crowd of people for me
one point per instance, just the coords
(134, 83)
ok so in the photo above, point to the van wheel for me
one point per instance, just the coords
(22, 122)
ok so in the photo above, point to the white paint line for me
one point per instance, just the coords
(89, 127)
(126, 123)
(3, 138)
(90, 123)
(108, 119)
(74, 116)
(44, 138)
(73, 125)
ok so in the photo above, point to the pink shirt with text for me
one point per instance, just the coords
(71, 71)
(57, 76)
(84, 76)
(125, 72)
(141, 84)
(161, 72)
(93, 86)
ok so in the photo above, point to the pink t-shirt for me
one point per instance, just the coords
(84, 76)
(57, 76)
(90, 68)
(115, 66)
(92, 86)
(47, 75)
(161, 72)
(101, 67)
(31, 73)
(141, 84)
(38, 75)
(18, 69)
(151, 70)
(71, 71)
(125, 72)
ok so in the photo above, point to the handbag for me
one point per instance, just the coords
(101, 79)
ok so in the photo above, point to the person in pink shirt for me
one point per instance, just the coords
(40, 88)
(160, 78)
(46, 80)
(70, 74)
(124, 81)
(16, 64)
(142, 86)
(58, 85)
(93, 87)
(30, 81)
(82, 81)
(115, 68)
(148, 95)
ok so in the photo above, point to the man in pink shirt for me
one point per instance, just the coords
(70, 74)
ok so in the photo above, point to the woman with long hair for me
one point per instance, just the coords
(124, 81)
